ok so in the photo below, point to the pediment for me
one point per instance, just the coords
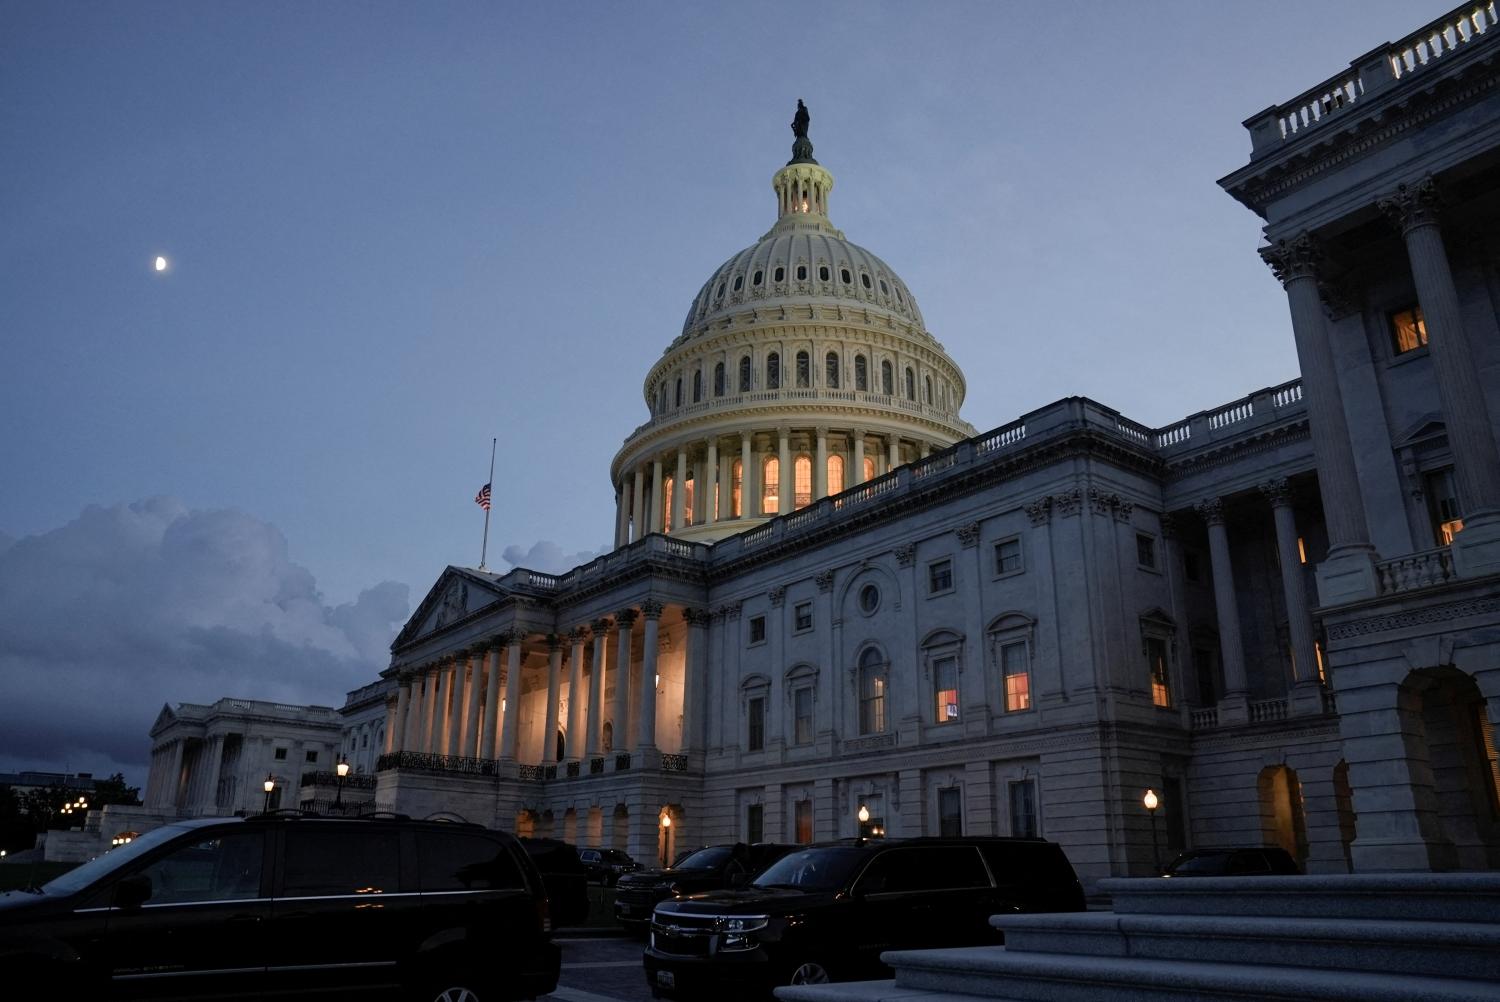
(166, 718)
(458, 593)
(1425, 429)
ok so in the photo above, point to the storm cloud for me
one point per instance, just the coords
(131, 606)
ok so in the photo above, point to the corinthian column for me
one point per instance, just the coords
(1307, 696)
(469, 748)
(646, 733)
(411, 737)
(596, 696)
(1226, 603)
(638, 503)
(786, 485)
(491, 727)
(1349, 572)
(510, 738)
(395, 734)
(657, 521)
(710, 488)
(857, 475)
(620, 708)
(577, 700)
(554, 698)
(695, 678)
(820, 463)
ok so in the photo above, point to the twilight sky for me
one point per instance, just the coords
(397, 230)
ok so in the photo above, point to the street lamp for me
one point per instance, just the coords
(666, 833)
(343, 770)
(268, 786)
(1151, 802)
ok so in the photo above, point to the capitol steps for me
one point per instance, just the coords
(1361, 938)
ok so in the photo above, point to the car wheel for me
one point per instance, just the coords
(809, 973)
(456, 990)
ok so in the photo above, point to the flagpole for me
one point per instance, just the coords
(484, 546)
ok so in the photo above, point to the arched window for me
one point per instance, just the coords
(929, 388)
(678, 397)
(666, 503)
(736, 480)
(609, 735)
(804, 366)
(758, 276)
(739, 282)
(745, 374)
(779, 274)
(831, 370)
(835, 474)
(770, 486)
(887, 384)
(688, 499)
(719, 380)
(661, 404)
(773, 371)
(822, 272)
(697, 386)
(802, 472)
(801, 272)
(869, 468)
(861, 373)
(872, 686)
(911, 384)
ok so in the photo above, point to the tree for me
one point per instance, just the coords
(114, 791)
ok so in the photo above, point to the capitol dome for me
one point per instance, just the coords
(803, 369)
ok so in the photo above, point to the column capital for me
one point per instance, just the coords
(1040, 510)
(697, 617)
(858, 432)
(555, 641)
(602, 625)
(730, 610)
(1291, 259)
(1278, 491)
(783, 431)
(777, 595)
(968, 534)
(578, 634)
(905, 554)
(1412, 205)
(1212, 511)
(824, 581)
(651, 609)
(821, 431)
(746, 437)
(625, 618)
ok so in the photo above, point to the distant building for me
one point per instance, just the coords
(23, 783)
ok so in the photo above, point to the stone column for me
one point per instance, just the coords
(1348, 574)
(454, 732)
(430, 707)
(747, 470)
(694, 679)
(710, 487)
(1226, 604)
(638, 503)
(656, 523)
(437, 739)
(924, 449)
(893, 448)
(411, 735)
(214, 747)
(784, 486)
(491, 726)
(395, 733)
(510, 738)
(554, 697)
(1307, 694)
(679, 490)
(620, 707)
(593, 746)
(173, 785)
(857, 475)
(820, 463)
(577, 701)
(474, 658)
(1471, 438)
(622, 512)
(645, 740)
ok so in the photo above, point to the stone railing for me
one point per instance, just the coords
(353, 781)
(1265, 710)
(1416, 570)
(370, 691)
(422, 762)
(1231, 420)
(674, 763)
(1202, 720)
(1449, 33)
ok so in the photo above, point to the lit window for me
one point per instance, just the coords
(1008, 556)
(757, 629)
(1301, 550)
(803, 813)
(687, 500)
(1145, 551)
(773, 371)
(945, 684)
(770, 486)
(802, 472)
(666, 503)
(1156, 658)
(804, 370)
(755, 732)
(737, 475)
(1408, 329)
(872, 683)
(831, 370)
(869, 468)
(1318, 654)
(939, 576)
(745, 374)
(1442, 499)
(1016, 672)
(887, 383)
(802, 722)
(861, 373)
(802, 616)
(835, 474)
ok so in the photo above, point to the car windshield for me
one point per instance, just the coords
(102, 865)
(823, 869)
(1205, 863)
(705, 859)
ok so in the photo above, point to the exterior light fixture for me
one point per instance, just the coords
(666, 820)
(268, 786)
(864, 814)
(343, 770)
(1151, 803)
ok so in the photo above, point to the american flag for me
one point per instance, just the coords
(482, 499)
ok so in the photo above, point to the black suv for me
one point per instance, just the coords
(715, 866)
(1256, 861)
(606, 865)
(564, 876)
(826, 912)
(279, 904)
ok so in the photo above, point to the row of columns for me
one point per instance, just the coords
(639, 512)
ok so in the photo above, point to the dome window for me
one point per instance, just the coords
(865, 279)
(831, 375)
(822, 272)
(678, 397)
(887, 385)
(779, 275)
(898, 296)
(697, 386)
(861, 373)
(911, 384)
(804, 370)
(719, 294)
(758, 276)
(801, 272)
(929, 389)
(885, 290)
(773, 371)
(844, 274)
(719, 380)
(739, 282)
(745, 374)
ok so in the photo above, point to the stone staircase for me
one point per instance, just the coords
(1411, 937)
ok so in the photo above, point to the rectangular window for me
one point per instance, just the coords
(803, 818)
(312, 756)
(322, 862)
(872, 699)
(802, 717)
(757, 629)
(756, 734)
(1156, 659)
(1023, 808)
(281, 754)
(755, 823)
(802, 616)
(1206, 670)
(939, 576)
(1442, 500)
(945, 680)
(1008, 556)
(1408, 330)
(1016, 671)
(950, 812)
(1145, 551)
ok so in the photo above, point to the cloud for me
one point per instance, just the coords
(549, 558)
(131, 606)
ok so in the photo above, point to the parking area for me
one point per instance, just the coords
(601, 969)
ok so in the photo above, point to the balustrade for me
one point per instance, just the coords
(1268, 709)
(1416, 570)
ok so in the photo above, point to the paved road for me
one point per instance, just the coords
(601, 969)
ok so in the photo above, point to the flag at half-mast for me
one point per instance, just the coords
(482, 499)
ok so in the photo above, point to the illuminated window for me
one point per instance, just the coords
(835, 474)
(1408, 329)
(1318, 654)
(697, 386)
(666, 504)
(719, 380)
(745, 374)
(687, 500)
(802, 482)
(803, 815)
(1015, 670)
(736, 478)
(1442, 500)
(945, 684)
(869, 468)
(1156, 659)
(773, 371)
(911, 384)
(1301, 550)
(872, 685)
(831, 370)
(770, 486)
(804, 370)
(887, 383)
(861, 373)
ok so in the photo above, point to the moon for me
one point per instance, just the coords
(161, 263)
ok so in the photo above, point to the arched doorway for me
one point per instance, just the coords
(1283, 821)
(1457, 740)
(621, 833)
(562, 745)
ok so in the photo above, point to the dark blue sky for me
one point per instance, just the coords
(397, 230)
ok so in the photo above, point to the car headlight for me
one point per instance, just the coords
(745, 923)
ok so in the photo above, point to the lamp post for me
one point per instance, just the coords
(343, 770)
(268, 786)
(666, 833)
(1151, 802)
(864, 819)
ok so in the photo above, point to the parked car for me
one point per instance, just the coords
(1245, 861)
(826, 912)
(565, 877)
(285, 904)
(711, 867)
(606, 865)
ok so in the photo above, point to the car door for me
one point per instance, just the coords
(956, 896)
(201, 931)
(889, 911)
